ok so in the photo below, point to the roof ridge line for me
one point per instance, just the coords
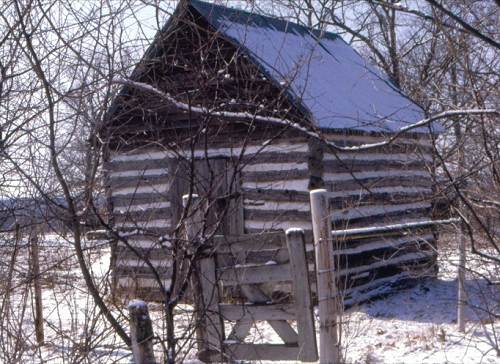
(317, 33)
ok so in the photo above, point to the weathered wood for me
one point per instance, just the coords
(139, 181)
(255, 294)
(281, 327)
(252, 257)
(402, 259)
(380, 219)
(141, 333)
(276, 175)
(273, 157)
(211, 328)
(275, 195)
(240, 330)
(143, 216)
(385, 178)
(285, 215)
(97, 235)
(143, 271)
(255, 274)
(284, 331)
(315, 164)
(258, 352)
(359, 198)
(37, 287)
(353, 165)
(461, 269)
(155, 175)
(249, 242)
(234, 213)
(143, 164)
(376, 256)
(368, 243)
(326, 280)
(377, 211)
(214, 328)
(129, 202)
(302, 295)
(157, 252)
(258, 312)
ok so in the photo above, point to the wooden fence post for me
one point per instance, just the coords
(461, 295)
(302, 295)
(141, 333)
(327, 292)
(205, 287)
(35, 275)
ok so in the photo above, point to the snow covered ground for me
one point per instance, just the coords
(418, 325)
(415, 325)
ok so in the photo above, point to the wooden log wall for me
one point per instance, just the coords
(381, 186)
(370, 188)
(274, 182)
(139, 185)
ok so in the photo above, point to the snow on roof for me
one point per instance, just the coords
(327, 77)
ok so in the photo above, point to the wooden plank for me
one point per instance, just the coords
(273, 157)
(368, 243)
(377, 210)
(353, 165)
(142, 271)
(97, 235)
(139, 181)
(140, 176)
(255, 294)
(275, 175)
(261, 351)
(281, 327)
(249, 242)
(240, 330)
(258, 312)
(275, 195)
(382, 219)
(141, 165)
(350, 182)
(302, 295)
(271, 216)
(150, 214)
(124, 252)
(284, 331)
(360, 198)
(252, 257)
(158, 190)
(255, 274)
(137, 199)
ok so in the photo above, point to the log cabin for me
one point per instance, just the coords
(243, 109)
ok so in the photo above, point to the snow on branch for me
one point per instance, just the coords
(240, 116)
